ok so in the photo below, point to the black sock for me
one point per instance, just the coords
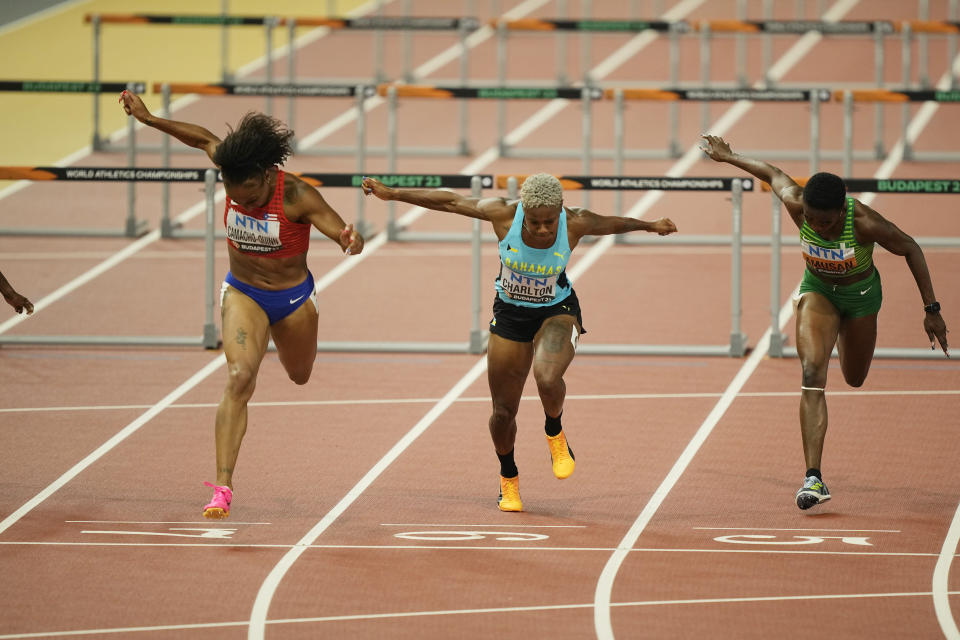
(814, 472)
(508, 468)
(552, 426)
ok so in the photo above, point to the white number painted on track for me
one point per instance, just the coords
(793, 540)
(217, 534)
(461, 536)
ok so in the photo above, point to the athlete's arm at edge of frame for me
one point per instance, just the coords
(870, 226)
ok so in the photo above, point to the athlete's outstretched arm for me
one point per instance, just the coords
(438, 200)
(873, 227)
(191, 135)
(588, 223)
(304, 203)
(14, 299)
(782, 185)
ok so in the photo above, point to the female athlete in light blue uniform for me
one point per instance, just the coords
(536, 313)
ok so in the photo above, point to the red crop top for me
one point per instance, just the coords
(266, 231)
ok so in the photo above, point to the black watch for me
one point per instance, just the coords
(933, 307)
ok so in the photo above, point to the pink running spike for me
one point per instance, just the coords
(219, 507)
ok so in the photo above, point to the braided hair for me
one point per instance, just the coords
(258, 142)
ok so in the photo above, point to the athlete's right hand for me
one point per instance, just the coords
(717, 148)
(377, 188)
(133, 105)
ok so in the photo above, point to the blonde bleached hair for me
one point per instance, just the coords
(541, 190)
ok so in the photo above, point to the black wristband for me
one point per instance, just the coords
(933, 307)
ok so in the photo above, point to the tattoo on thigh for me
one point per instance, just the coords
(242, 338)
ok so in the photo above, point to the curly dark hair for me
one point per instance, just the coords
(258, 142)
(825, 192)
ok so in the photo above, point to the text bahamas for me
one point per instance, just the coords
(528, 267)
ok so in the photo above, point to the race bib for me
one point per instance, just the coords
(835, 261)
(252, 234)
(526, 288)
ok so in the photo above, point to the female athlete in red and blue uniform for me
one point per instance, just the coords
(268, 292)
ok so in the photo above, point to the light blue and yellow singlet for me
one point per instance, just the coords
(531, 277)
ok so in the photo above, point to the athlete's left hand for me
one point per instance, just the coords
(934, 325)
(663, 226)
(19, 303)
(351, 241)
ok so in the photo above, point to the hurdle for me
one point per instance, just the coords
(588, 95)
(132, 227)
(939, 186)
(209, 338)
(813, 96)
(923, 29)
(395, 91)
(97, 21)
(462, 26)
(476, 339)
(903, 97)
(94, 87)
(584, 27)
(359, 94)
(655, 185)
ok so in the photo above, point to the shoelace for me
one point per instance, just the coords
(223, 493)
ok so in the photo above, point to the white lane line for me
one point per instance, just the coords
(771, 529)
(508, 526)
(460, 612)
(445, 57)
(602, 595)
(602, 622)
(116, 439)
(154, 235)
(205, 522)
(84, 278)
(43, 14)
(437, 547)
(941, 583)
(476, 399)
(214, 364)
(261, 605)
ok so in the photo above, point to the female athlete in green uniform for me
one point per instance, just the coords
(840, 293)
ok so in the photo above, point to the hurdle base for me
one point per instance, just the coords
(723, 350)
(115, 341)
(887, 353)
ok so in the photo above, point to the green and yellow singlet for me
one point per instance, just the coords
(841, 257)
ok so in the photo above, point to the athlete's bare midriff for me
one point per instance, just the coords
(268, 273)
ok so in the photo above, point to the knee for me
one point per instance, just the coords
(814, 375)
(241, 381)
(502, 415)
(855, 379)
(300, 377)
(548, 378)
